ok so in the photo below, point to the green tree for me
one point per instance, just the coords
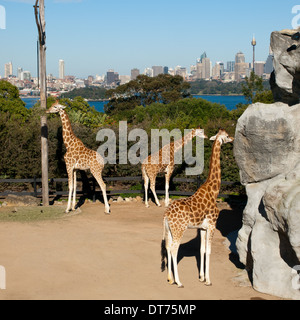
(146, 90)
(252, 87)
(11, 103)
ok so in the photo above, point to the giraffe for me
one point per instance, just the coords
(78, 157)
(196, 212)
(163, 161)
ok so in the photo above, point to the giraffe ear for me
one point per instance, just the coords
(213, 138)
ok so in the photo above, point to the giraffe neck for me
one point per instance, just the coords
(214, 175)
(68, 134)
(183, 141)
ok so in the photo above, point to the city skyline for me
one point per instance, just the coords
(95, 36)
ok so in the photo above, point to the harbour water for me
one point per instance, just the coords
(230, 102)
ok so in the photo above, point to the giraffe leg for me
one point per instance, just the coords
(170, 273)
(174, 253)
(152, 187)
(74, 190)
(102, 185)
(167, 177)
(71, 186)
(209, 236)
(146, 185)
(169, 241)
(202, 254)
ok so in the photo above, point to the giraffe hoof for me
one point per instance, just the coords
(181, 286)
(201, 279)
(208, 284)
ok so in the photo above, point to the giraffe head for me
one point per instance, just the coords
(199, 133)
(222, 136)
(55, 108)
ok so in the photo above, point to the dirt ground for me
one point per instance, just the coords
(90, 255)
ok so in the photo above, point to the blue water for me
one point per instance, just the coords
(230, 102)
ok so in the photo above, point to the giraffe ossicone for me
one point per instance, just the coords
(78, 157)
(198, 211)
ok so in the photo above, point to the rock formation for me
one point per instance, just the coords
(267, 151)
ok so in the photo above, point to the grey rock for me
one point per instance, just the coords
(120, 199)
(271, 274)
(267, 151)
(13, 200)
(267, 141)
(285, 80)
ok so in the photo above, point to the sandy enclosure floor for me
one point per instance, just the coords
(94, 256)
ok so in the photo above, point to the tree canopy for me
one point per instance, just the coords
(146, 90)
(254, 90)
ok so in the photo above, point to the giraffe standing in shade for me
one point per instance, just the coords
(164, 161)
(199, 211)
(78, 157)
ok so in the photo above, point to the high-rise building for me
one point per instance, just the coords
(230, 66)
(259, 67)
(166, 70)
(26, 75)
(157, 70)
(203, 55)
(20, 70)
(112, 77)
(240, 57)
(206, 68)
(269, 65)
(8, 69)
(240, 67)
(199, 70)
(218, 70)
(61, 64)
(181, 71)
(148, 72)
(134, 73)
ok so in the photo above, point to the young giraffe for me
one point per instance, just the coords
(164, 161)
(78, 157)
(198, 211)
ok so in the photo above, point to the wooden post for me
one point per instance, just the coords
(39, 10)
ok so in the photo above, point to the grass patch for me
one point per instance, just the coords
(29, 214)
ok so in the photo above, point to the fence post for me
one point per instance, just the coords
(34, 186)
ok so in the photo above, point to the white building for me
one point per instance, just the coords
(148, 72)
(61, 66)
(8, 69)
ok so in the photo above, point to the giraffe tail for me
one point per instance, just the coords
(163, 245)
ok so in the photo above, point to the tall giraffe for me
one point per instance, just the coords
(156, 163)
(78, 157)
(199, 211)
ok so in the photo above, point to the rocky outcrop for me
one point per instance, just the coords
(285, 80)
(267, 151)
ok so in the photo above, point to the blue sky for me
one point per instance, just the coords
(93, 36)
